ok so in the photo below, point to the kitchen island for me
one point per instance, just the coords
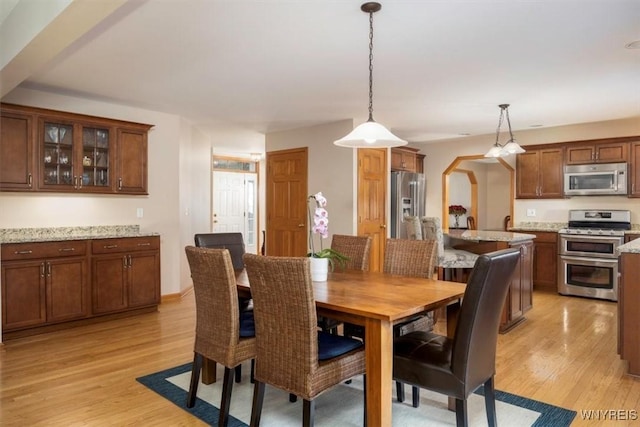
(628, 303)
(519, 298)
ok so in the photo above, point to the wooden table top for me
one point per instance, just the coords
(379, 295)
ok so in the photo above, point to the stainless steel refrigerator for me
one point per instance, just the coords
(408, 197)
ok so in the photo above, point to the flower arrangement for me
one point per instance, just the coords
(320, 226)
(457, 210)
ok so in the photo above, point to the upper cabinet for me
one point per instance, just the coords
(634, 168)
(45, 150)
(597, 152)
(539, 173)
(404, 159)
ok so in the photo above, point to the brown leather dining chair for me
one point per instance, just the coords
(458, 366)
(224, 334)
(357, 249)
(292, 354)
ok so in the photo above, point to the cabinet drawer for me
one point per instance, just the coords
(20, 251)
(128, 244)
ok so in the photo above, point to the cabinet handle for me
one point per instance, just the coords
(30, 180)
(79, 186)
(66, 249)
(144, 244)
(110, 246)
(124, 262)
(49, 269)
(23, 252)
(130, 261)
(42, 269)
(119, 184)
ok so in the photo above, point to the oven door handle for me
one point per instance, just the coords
(591, 260)
(578, 237)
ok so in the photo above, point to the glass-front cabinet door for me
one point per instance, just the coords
(74, 156)
(56, 142)
(95, 157)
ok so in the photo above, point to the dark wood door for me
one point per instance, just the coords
(23, 294)
(67, 289)
(527, 171)
(372, 196)
(286, 203)
(551, 177)
(16, 151)
(143, 279)
(109, 282)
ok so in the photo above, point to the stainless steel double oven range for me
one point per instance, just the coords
(588, 257)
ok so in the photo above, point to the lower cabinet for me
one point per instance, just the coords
(545, 260)
(45, 284)
(127, 276)
(520, 295)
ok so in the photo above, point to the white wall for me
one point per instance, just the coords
(179, 200)
(332, 169)
(439, 155)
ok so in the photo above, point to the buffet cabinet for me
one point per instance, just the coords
(51, 285)
(54, 151)
(520, 294)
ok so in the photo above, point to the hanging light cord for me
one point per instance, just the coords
(370, 67)
(504, 110)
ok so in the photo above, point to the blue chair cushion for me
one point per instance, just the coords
(330, 346)
(247, 324)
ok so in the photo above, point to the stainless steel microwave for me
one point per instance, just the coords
(595, 179)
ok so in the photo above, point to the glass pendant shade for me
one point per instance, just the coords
(513, 147)
(495, 151)
(370, 135)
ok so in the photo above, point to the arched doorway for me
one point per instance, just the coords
(474, 210)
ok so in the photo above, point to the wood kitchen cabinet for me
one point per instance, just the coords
(628, 313)
(545, 260)
(520, 295)
(540, 174)
(634, 170)
(600, 151)
(125, 273)
(420, 163)
(404, 159)
(56, 151)
(16, 150)
(44, 283)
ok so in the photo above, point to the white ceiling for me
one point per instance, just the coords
(440, 67)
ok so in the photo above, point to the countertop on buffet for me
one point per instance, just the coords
(632, 247)
(52, 234)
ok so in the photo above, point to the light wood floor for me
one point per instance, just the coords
(563, 354)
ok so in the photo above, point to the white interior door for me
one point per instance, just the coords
(235, 206)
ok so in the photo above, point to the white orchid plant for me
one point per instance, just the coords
(320, 225)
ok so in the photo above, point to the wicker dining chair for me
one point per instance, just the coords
(292, 354)
(458, 366)
(357, 249)
(415, 258)
(471, 223)
(224, 334)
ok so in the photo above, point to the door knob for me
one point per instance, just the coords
(383, 225)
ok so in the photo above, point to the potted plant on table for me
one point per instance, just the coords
(324, 257)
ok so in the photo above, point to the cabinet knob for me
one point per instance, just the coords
(110, 246)
(383, 225)
(30, 180)
(66, 249)
(23, 252)
(119, 184)
(300, 225)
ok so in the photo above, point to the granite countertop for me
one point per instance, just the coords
(494, 236)
(633, 247)
(539, 226)
(52, 234)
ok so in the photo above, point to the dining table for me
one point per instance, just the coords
(376, 301)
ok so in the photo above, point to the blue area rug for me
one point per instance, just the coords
(550, 416)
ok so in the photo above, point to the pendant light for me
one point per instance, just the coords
(511, 147)
(370, 134)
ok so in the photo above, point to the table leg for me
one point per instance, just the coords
(379, 365)
(208, 371)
